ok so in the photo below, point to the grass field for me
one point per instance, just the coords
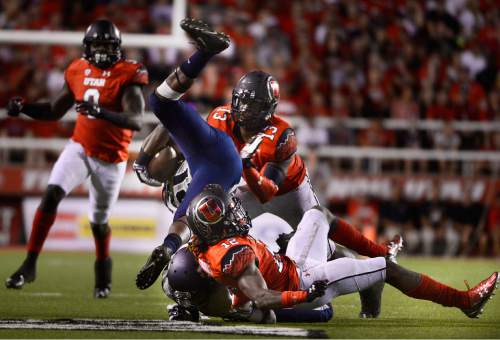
(65, 280)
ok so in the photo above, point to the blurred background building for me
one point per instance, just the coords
(396, 104)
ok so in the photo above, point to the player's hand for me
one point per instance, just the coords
(88, 109)
(316, 290)
(249, 150)
(142, 173)
(15, 106)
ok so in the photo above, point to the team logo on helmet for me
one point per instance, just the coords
(274, 88)
(210, 210)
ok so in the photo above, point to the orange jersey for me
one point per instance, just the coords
(279, 143)
(226, 260)
(102, 139)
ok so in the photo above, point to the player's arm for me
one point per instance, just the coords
(252, 284)
(133, 109)
(44, 110)
(266, 183)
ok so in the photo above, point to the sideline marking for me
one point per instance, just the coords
(156, 325)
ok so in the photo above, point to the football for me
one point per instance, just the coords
(164, 164)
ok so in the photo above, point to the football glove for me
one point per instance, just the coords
(316, 290)
(88, 109)
(179, 313)
(15, 106)
(142, 173)
(249, 150)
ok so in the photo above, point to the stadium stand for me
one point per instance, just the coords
(397, 103)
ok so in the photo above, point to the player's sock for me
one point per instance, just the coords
(172, 242)
(431, 290)
(41, 226)
(102, 238)
(195, 64)
(347, 235)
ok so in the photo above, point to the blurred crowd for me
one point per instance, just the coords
(402, 59)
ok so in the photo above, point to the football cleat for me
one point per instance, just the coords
(394, 247)
(153, 267)
(204, 37)
(102, 278)
(371, 300)
(25, 274)
(481, 294)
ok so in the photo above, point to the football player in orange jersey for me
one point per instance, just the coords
(303, 277)
(108, 92)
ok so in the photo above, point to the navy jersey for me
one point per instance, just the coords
(210, 153)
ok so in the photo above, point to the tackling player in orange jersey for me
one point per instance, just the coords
(107, 90)
(303, 277)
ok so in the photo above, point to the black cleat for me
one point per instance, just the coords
(204, 37)
(371, 300)
(102, 271)
(155, 264)
(25, 274)
(283, 240)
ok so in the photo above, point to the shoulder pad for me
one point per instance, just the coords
(286, 145)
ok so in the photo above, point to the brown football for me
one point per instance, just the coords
(163, 165)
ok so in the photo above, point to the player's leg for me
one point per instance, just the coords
(420, 286)
(190, 132)
(344, 276)
(69, 171)
(105, 181)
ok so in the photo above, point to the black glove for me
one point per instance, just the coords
(15, 106)
(180, 313)
(316, 290)
(88, 109)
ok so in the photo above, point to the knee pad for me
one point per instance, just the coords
(100, 231)
(51, 198)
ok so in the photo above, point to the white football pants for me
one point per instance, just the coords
(345, 275)
(73, 167)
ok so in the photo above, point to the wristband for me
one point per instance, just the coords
(291, 298)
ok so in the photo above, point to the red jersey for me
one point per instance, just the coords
(279, 144)
(100, 138)
(226, 260)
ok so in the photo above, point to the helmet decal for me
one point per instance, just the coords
(210, 210)
(274, 88)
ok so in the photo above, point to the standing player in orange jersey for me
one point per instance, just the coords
(108, 92)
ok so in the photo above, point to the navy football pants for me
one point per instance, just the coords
(210, 153)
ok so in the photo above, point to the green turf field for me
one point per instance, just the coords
(65, 280)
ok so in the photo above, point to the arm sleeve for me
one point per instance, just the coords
(236, 260)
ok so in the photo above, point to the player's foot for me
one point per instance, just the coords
(204, 37)
(394, 247)
(156, 262)
(480, 294)
(25, 274)
(371, 300)
(102, 278)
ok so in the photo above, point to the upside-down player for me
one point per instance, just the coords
(303, 277)
(273, 171)
(108, 92)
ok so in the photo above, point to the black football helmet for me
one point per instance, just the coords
(213, 215)
(254, 100)
(102, 44)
